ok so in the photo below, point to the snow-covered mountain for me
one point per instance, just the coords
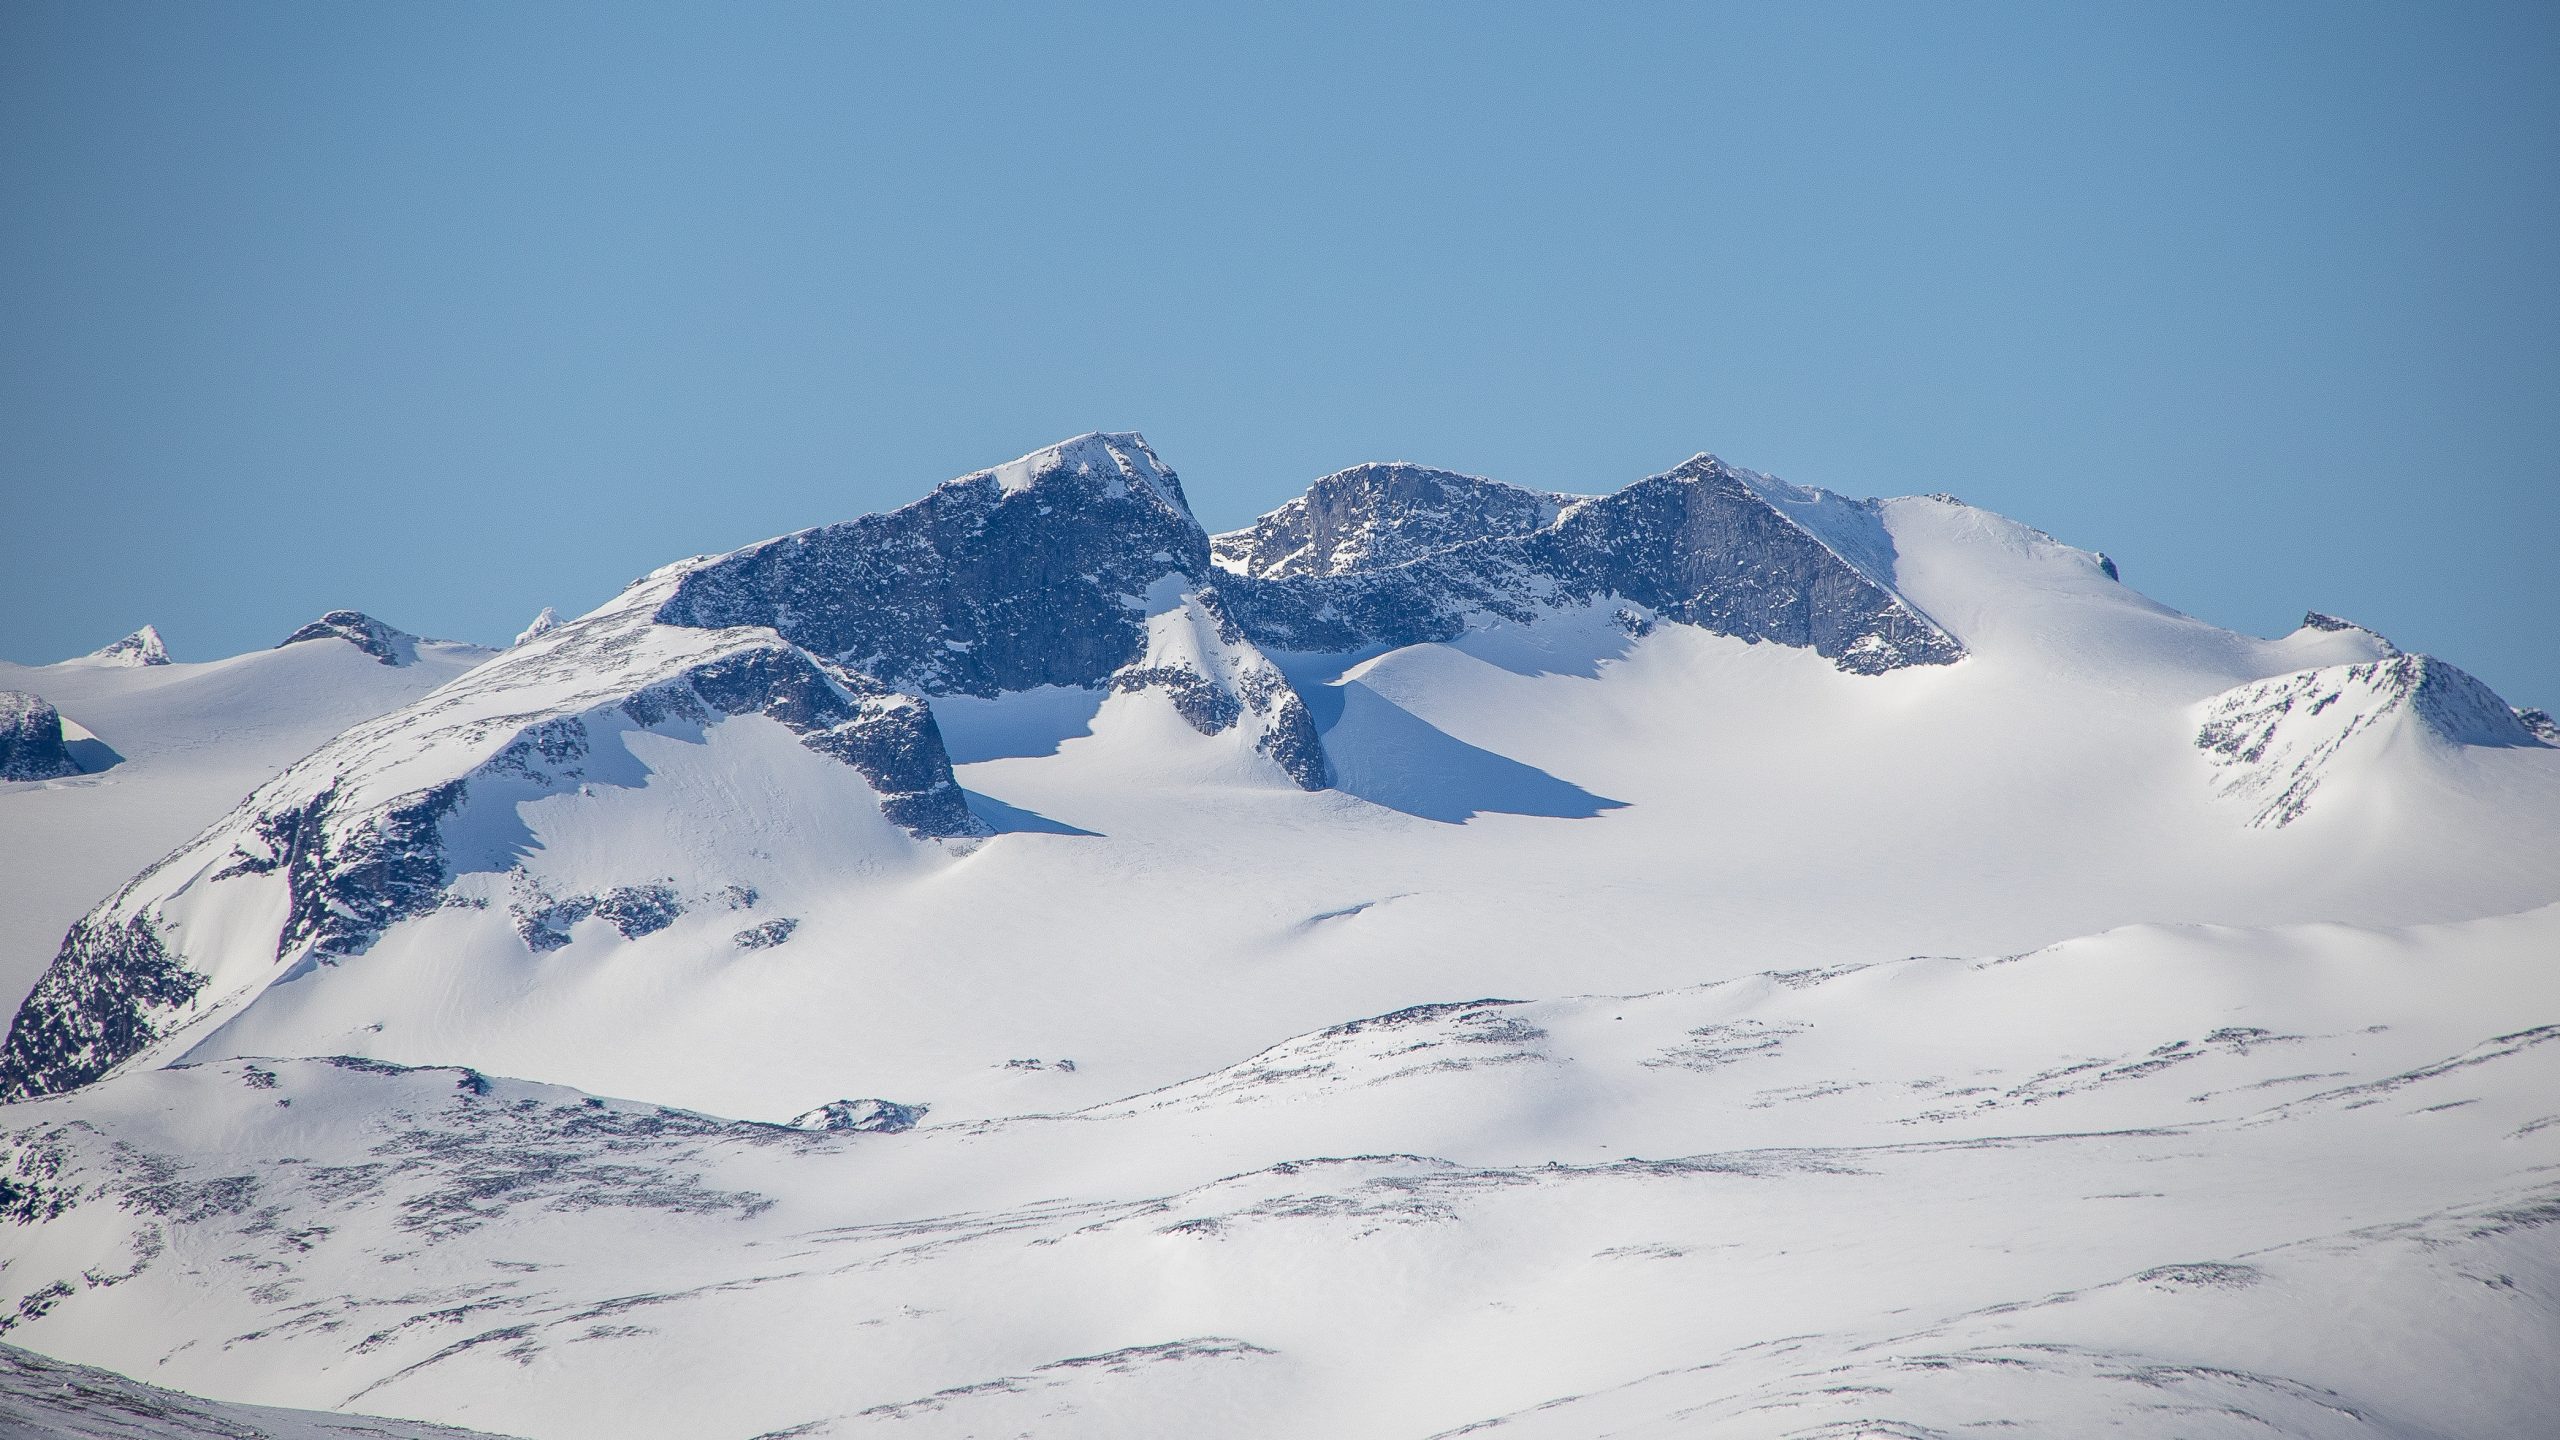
(162, 749)
(1714, 957)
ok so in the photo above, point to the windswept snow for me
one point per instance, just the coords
(2166, 1150)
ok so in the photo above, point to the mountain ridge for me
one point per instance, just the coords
(1078, 567)
(988, 928)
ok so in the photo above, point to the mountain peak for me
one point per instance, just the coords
(1120, 461)
(385, 644)
(1020, 575)
(1378, 514)
(2277, 741)
(142, 647)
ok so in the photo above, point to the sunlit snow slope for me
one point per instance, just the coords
(170, 747)
(1713, 958)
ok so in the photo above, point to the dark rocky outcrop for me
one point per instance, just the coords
(352, 872)
(386, 645)
(1372, 516)
(94, 1007)
(1008, 579)
(877, 1117)
(1042, 572)
(31, 745)
(890, 737)
(1699, 545)
(633, 911)
(767, 935)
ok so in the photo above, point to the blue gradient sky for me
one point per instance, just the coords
(448, 312)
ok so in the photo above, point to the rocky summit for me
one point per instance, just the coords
(142, 647)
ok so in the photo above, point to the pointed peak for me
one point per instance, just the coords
(383, 643)
(543, 624)
(1784, 496)
(1120, 460)
(142, 647)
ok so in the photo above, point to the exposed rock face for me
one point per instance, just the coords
(1704, 544)
(101, 1001)
(384, 644)
(632, 910)
(879, 1117)
(1372, 516)
(142, 647)
(890, 737)
(31, 745)
(1025, 575)
(353, 870)
(2333, 625)
(2277, 740)
(1076, 565)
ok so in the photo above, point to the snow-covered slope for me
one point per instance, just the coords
(978, 905)
(2164, 1152)
(41, 1397)
(164, 750)
(2282, 739)
(445, 812)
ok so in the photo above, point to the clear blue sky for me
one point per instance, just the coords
(451, 311)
